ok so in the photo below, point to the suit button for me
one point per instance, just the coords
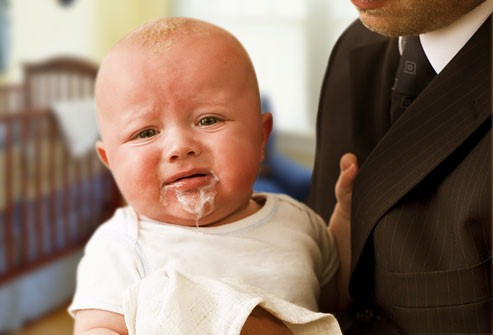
(365, 316)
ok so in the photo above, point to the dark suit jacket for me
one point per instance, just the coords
(421, 215)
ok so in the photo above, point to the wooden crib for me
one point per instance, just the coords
(51, 200)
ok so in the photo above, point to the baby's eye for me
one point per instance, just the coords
(208, 121)
(146, 133)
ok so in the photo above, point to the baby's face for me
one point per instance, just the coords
(178, 121)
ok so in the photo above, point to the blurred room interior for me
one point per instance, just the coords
(289, 42)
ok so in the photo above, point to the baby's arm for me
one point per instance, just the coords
(262, 322)
(340, 227)
(99, 322)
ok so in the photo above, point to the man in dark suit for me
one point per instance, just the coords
(421, 207)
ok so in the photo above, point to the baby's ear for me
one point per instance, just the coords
(102, 153)
(267, 124)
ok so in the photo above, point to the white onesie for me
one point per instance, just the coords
(283, 249)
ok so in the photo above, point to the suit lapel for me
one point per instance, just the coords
(445, 114)
(370, 111)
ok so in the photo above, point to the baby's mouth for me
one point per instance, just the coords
(188, 181)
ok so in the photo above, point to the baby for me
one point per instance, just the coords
(181, 131)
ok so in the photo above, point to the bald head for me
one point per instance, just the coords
(178, 58)
(158, 36)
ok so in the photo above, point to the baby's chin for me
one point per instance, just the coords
(197, 202)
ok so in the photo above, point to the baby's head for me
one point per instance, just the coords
(181, 128)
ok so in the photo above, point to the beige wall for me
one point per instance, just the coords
(116, 17)
(88, 28)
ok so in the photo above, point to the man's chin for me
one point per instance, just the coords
(383, 26)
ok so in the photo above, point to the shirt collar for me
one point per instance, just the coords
(442, 45)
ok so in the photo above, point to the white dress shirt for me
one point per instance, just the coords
(442, 45)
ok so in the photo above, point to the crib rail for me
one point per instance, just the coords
(50, 201)
(12, 98)
(58, 79)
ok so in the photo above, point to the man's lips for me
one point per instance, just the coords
(369, 4)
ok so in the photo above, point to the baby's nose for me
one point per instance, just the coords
(182, 146)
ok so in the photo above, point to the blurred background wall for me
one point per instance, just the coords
(42, 28)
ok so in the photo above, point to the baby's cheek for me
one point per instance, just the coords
(137, 181)
(243, 180)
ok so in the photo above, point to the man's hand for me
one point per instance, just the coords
(340, 225)
(344, 186)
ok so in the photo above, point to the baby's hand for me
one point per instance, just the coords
(344, 185)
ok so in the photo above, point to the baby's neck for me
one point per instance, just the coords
(252, 207)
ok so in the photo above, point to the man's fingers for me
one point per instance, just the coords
(349, 169)
(347, 160)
